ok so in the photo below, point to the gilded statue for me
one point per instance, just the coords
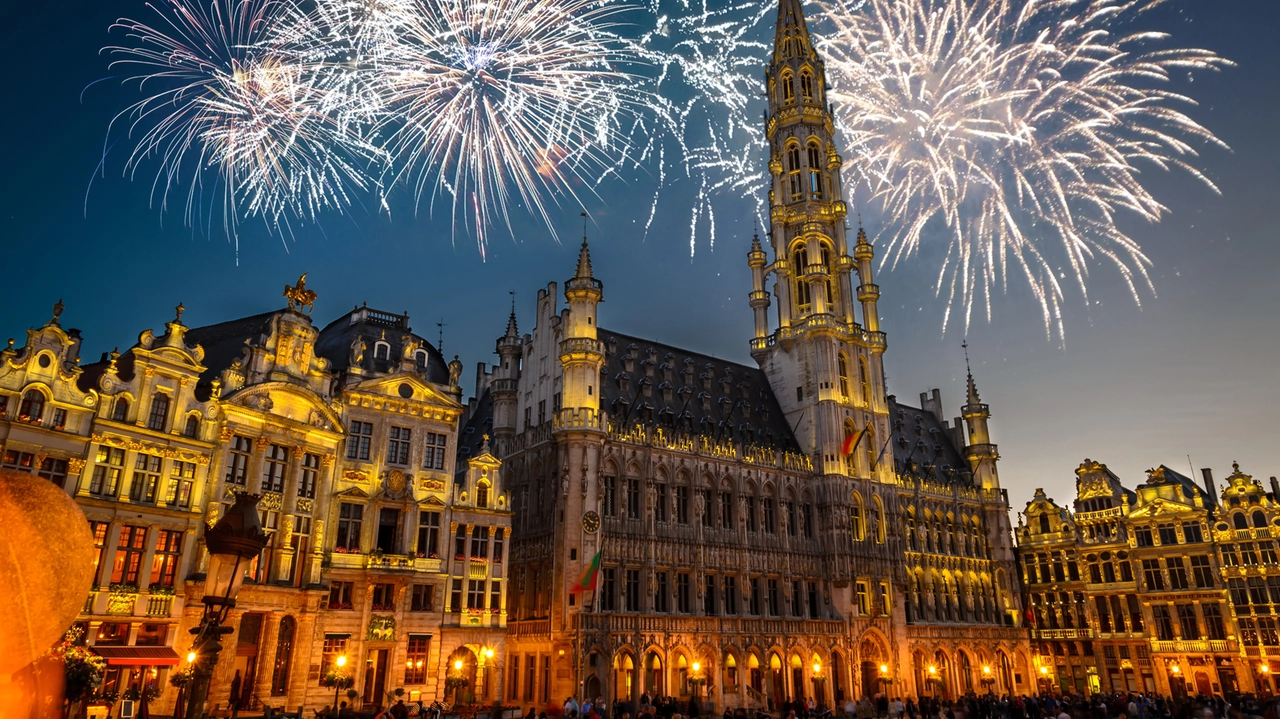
(300, 297)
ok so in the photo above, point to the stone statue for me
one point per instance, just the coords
(357, 351)
(455, 371)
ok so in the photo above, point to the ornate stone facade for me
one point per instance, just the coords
(382, 546)
(1166, 588)
(764, 532)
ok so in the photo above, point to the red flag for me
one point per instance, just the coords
(589, 578)
(851, 440)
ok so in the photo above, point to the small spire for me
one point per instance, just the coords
(177, 319)
(512, 329)
(584, 255)
(57, 312)
(972, 396)
(440, 342)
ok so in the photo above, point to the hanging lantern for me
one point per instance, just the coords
(46, 566)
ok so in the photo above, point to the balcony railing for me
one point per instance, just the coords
(530, 628)
(625, 623)
(1193, 646)
(159, 605)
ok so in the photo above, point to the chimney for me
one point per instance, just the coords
(1207, 474)
(1275, 489)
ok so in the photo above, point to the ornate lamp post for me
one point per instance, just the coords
(820, 683)
(1045, 680)
(233, 542)
(697, 680)
(988, 681)
(931, 680)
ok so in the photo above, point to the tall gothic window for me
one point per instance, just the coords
(815, 171)
(864, 381)
(788, 90)
(806, 85)
(802, 286)
(831, 271)
(793, 169)
(842, 369)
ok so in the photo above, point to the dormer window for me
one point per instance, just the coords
(121, 410)
(482, 495)
(420, 360)
(381, 350)
(32, 407)
(192, 427)
(159, 412)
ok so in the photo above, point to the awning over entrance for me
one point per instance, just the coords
(138, 656)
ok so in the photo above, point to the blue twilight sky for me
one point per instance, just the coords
(1191, 372)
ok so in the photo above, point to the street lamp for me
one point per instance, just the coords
(338, 664)
(697, 681)
(885, 679)
(987, 680)
(819, 683)
(233, 542)
(932, 679)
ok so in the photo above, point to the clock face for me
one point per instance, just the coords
(591, 521)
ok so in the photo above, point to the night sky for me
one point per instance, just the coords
(1191, 372)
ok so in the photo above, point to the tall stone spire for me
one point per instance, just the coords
(981, 453)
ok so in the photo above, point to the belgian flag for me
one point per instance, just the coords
(589, 578)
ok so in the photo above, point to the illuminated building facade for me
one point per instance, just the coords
(746, 558)
(1165, 588)
(383, 548)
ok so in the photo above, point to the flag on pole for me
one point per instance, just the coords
(589, 578)
(851, 441)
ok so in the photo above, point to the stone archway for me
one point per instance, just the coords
(624, 677)
(460, 684)
(872, 656)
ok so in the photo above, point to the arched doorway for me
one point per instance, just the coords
(653, 683)
(460, 684)
(797, 678)
(624, 677)
(778, 691)
(966, 673)
(756, 676)
(1203, 686)
(939, 675)
(730, 681)
(591, 688)
(1006, 672)
(682, 675)
(873, 656)
(284, 656)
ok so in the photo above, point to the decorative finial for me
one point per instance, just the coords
(177, 320)
(299, 296)
(57, 311)
(967, 369)
(513, 301)
(1235, 467)
(440, 341)
(583, 214)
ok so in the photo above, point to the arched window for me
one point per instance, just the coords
(1240, 521)
(121, 410)
(1259, 520)
(864, 381)
(1044, 524)
(32, 407)
(877, 519)
(827, 263)
(159, 412)
(420, 360)
(842, 369)
(803, 299)
(793, 169)
(193, 426)
(482, 495)
(806, 85)
(284, 657)
(381, 350)
(788, 90)
(815, 170)
(855, 518)
(869, 451)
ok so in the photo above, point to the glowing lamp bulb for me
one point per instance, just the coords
(457, 664)
(191, 657)
(884, 668)
(341, 661)
(697, 666)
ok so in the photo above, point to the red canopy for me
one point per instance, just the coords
(138, 656)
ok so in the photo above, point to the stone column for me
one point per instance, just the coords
(267, 656)
(148, 557)
(109, 555)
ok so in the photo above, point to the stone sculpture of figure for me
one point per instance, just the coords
(357, 351)
(455, 371)
(652, 498)
(699, 506)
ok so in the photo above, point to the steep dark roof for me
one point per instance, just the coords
(471, 435)
(223, 342)
(657, 384)
(923, 446)
(334, 343)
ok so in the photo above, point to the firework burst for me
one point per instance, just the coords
(225, 98)
(503, 101)
(1015, 129)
